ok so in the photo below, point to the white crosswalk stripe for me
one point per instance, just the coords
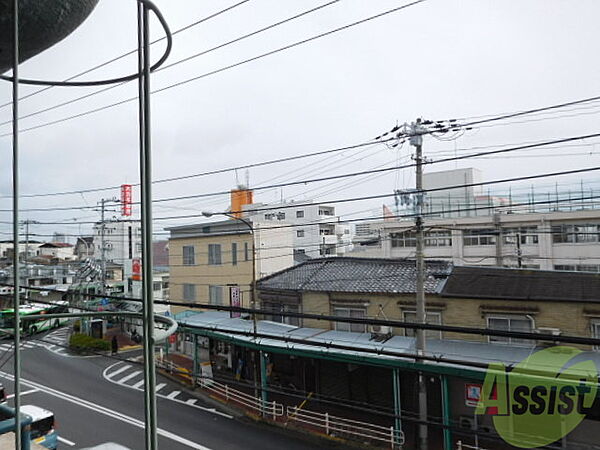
(130, 376)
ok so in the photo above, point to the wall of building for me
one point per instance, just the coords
(571, 318)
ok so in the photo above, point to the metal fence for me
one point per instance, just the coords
(341, 427)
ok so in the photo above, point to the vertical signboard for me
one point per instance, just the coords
(235, 299)
(136, 269)
(126, 199)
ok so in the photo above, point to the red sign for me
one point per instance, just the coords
(136, 269)
(126, 199)
(172, 339)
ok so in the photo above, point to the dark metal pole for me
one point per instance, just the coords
(16, 272)
(146, 213)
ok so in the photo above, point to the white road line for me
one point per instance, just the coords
(103, 410)
(173, 394)
(31, 391)
(191, 401)
(188, 403)
(138, 385)
(160, 386)
(65, 441)
(129, 377)
(118, 371)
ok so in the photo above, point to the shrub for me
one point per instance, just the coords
(82, 342)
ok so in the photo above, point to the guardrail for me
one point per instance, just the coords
(272, 408)
(460, 445)
(338, 426)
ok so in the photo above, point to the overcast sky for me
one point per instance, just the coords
(440, 59)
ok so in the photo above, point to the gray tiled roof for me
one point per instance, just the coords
(522, 284)
(345, 274)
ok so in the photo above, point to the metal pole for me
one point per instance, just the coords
(446, 413)
(397, 402)
(146, 213)
(103, 247)
(417, 141)
(16, 272)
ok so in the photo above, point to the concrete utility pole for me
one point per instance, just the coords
(416, 131)
(26, 257)
(103, 203)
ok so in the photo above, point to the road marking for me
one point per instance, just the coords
(160, 386)
(129, 377)
(138, 385)
(23, 393)
(173, 394)
(188, 403)
(65, 441)
(191, 401)
(103, 410)
(118, 371)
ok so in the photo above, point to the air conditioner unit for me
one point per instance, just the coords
(550, 331)
(381, 329)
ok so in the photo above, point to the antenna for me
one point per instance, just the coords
(247, 179)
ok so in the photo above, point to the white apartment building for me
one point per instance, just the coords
(123, 244)
(316, 229)
(560, 240)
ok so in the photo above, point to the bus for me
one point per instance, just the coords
(33, 326)
(42, 425)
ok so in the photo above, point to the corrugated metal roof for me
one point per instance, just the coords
(465, 351)
(366, 275)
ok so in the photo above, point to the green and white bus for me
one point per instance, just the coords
(32, 326)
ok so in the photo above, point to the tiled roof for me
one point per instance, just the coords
(346, 274)
(522, 284)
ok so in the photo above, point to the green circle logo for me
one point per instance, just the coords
(542, 399)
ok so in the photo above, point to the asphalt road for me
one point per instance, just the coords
(91, 410)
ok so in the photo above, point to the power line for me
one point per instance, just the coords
(188, 58)
(117, 58)
(225, 68)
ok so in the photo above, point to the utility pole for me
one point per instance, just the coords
(26, 257)
(103, 203)
(416, 140)
(519, 253)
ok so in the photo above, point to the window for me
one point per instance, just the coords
(280, 216)
(246, 252)
(430, 317)
(528, 235)
(596, 331)
(189, 292)
(480, 237)
(300, 250)
(215, 295)
(582, 233)
(355, 313)
(441, 238)
(325, 212)
(189, 257)
(234, 253)
(299, 233)
(404, 239)
(275, 308)
(578, 268)
(269, 216)
(300, 214)
(509, 323)
(214, 254)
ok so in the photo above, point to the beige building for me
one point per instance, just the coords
(534, 301)
(206, 259)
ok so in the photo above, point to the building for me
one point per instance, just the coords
(479, 297)
(206, 259)
(56, 250)
(84, 247)
(317, 230)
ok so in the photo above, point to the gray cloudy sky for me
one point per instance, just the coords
(440, 59)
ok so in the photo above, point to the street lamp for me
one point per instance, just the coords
(253, 287)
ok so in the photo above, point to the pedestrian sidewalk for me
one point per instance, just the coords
(123, 339)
